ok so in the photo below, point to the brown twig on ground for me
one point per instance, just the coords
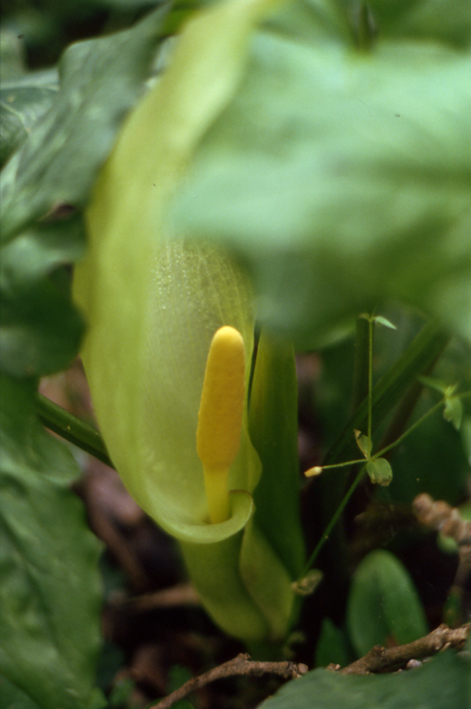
(240, 665)
(380, 659)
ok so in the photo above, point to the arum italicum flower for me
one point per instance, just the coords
(170, 342)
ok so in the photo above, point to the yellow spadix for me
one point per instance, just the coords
(220, 417)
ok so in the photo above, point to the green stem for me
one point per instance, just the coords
(345, 464)
(351, 489)
(357, 479)
(333, 521)
(389, 446)
(415, 425)
(81, 434)
(370, 379)
(360, 364)
(420, 355)
(402, 414)
(393, 444)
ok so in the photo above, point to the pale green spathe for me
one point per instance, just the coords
(153, 301)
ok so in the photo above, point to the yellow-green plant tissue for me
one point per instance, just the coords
(169, 343)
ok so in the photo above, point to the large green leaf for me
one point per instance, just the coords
(13, 697)
(50, 592)
(342, 178)
(442, 682)
(40, 330)
(383, 604)
(52, 172)
(22, 101)
(100, 81)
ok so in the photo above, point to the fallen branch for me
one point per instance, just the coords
(380, 659)
(240, 665)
